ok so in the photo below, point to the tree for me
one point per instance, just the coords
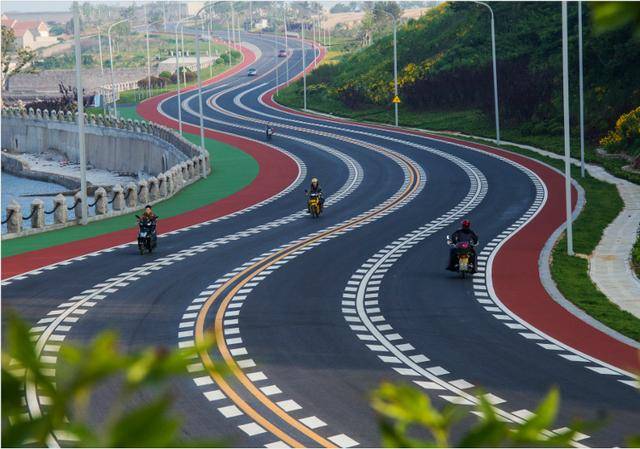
(13, 62)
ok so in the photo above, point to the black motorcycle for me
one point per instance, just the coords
(269, 133)
(147, 237)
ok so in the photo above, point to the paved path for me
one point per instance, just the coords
(610, 264)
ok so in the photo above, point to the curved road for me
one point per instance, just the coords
(311, 315)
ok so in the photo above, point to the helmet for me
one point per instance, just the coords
(466, 224)
(314, 180)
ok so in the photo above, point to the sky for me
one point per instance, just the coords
(42, 5)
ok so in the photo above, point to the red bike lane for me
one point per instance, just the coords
(516, 274)
(276, 172)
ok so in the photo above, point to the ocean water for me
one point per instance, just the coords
(15, 188)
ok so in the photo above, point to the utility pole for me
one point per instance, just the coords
(80, 98)
(567, 130)
(100, 50)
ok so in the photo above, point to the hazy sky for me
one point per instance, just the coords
(37, 6)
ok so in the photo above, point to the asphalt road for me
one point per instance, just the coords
(312, 341)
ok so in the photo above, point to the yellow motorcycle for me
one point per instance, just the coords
(314, 205)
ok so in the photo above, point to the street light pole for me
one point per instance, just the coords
(567, 137)
(113, 84)
(581, 82)
(395, 63)
(286, 40)
(146, 20)
(200, 108)
(275, 37)
(100, 51)
(495, 76)
(80, 98)
(304, 72)
(178, 75)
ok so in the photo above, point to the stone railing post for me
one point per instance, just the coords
(162, 185)
(37, 213)
(154, 192)
(170, 182)
(14, 212)
(143, 192)
(60, 206)
(101, 201)
(190, 168)
(118, 197)
(77, 209)
(132, 195)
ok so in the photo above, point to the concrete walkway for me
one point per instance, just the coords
(610, 264)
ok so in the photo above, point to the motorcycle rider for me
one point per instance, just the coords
(269, 131)
(315, 188)
(464, 234)
(149, 217)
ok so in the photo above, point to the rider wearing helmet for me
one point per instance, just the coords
(269, 131)
(464, 234)
(315, 188)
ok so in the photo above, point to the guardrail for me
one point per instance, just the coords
(125, 199)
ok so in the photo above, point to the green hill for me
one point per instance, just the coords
(445, 75)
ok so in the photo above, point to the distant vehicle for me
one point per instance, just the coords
(252, 72)
(282, 54)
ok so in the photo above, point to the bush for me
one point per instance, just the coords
(188, 75)
(165, 74)
(625, 137)
(156, 82)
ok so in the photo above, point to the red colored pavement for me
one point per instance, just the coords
(277, 171)
(516, 277)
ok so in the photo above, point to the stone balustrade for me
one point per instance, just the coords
(193, 165)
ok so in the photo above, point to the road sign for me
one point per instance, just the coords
(396, 99)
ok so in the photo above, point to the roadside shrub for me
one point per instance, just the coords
(165, 74)
(189, 76)
(625, 137)
(156, 82)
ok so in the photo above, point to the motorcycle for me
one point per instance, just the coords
(464, 254)
(314, 205)
(147, 238)
(269, 133)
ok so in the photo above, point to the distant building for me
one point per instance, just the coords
(31, 34)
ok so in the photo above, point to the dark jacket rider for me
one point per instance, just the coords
(465, 234)
(316, 189)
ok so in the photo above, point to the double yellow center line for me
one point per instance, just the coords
(247, 275)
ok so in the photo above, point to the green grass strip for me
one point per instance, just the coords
(233, 169)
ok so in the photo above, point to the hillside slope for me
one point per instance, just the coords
(445, 66)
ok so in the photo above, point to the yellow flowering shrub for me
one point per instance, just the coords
(625, 137)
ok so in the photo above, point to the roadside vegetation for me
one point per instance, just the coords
(407, 417)
(445, 77)
(445, 84)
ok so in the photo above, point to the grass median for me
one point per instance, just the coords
(233, 169)
(603, 203)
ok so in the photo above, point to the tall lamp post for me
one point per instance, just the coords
(495, 76)
(146, 21)
(178, 25)
(100, 51)
(395, 64)
(304, 70)
(567, 137)
(80, 98)
(286, 40)
(113, 85)
(581, 82)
